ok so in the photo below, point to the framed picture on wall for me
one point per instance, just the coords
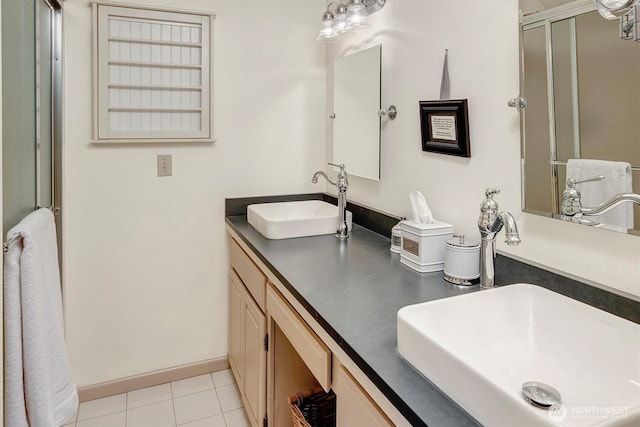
(444, 126)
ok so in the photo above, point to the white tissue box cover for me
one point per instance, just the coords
(423, 245)
(421, 268)
(421, 229)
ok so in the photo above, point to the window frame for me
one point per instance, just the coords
(102, 131)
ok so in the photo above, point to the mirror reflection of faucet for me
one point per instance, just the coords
(572, 209)
(571, 201)
(342, 183)
(490, 223)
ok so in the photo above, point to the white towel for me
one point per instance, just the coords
(38, 388)
(617, 180)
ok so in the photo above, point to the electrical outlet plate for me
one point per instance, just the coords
(164, 165)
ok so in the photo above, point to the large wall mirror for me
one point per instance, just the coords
(356, 102)
(582, 86)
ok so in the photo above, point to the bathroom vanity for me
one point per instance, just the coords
(275, 351)
(318, 311)
(321, 312)
(297, 357)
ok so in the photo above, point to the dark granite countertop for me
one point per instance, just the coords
(354, 289)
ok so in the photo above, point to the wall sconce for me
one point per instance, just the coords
(347, 18)
(614, 9)
(626, 11)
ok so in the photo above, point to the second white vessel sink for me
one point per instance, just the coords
(480, 348)
(283, 220)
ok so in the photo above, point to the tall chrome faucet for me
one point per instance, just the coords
(342, 229)
(490, 223)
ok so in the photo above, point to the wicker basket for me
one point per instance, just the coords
(313, 408)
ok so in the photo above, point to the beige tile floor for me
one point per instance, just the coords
(210, 400)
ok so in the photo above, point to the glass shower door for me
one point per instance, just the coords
(18, 111)
(30, 85)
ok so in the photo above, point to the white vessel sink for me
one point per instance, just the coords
(284, 220)
(480, 348)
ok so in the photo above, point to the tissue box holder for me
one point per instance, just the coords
(423, 245)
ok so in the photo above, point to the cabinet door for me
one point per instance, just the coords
(236, 328)
(255, 359)
(354, 407)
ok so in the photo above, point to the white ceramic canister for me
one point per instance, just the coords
(462, 261)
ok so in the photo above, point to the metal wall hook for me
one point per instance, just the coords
(392, 112)
(518, 102)
(332, 115)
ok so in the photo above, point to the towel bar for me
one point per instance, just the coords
(5, 245)
(555, 162)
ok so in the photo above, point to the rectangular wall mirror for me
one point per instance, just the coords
(356, 102)
(581, 82)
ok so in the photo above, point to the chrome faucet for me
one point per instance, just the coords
(572, 209)
(490, 223)
(342, 229)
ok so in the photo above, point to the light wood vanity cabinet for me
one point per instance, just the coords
(300, 355)
(247, 331)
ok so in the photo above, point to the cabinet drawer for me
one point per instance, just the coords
(355, 408)
(249, 273)
(315, 354)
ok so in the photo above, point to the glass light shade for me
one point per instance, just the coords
(326, 30)
(615, 4)
(357, 17)
(340, 23)
(613, 9)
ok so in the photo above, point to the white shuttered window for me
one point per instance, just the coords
(152, 75)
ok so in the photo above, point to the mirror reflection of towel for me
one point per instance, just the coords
(617, 180)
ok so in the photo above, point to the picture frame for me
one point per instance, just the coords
(444, 127)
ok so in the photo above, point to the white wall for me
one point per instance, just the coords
(482, 38)
(145, 258)
(1, 211)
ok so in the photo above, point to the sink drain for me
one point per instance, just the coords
(540, 395)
